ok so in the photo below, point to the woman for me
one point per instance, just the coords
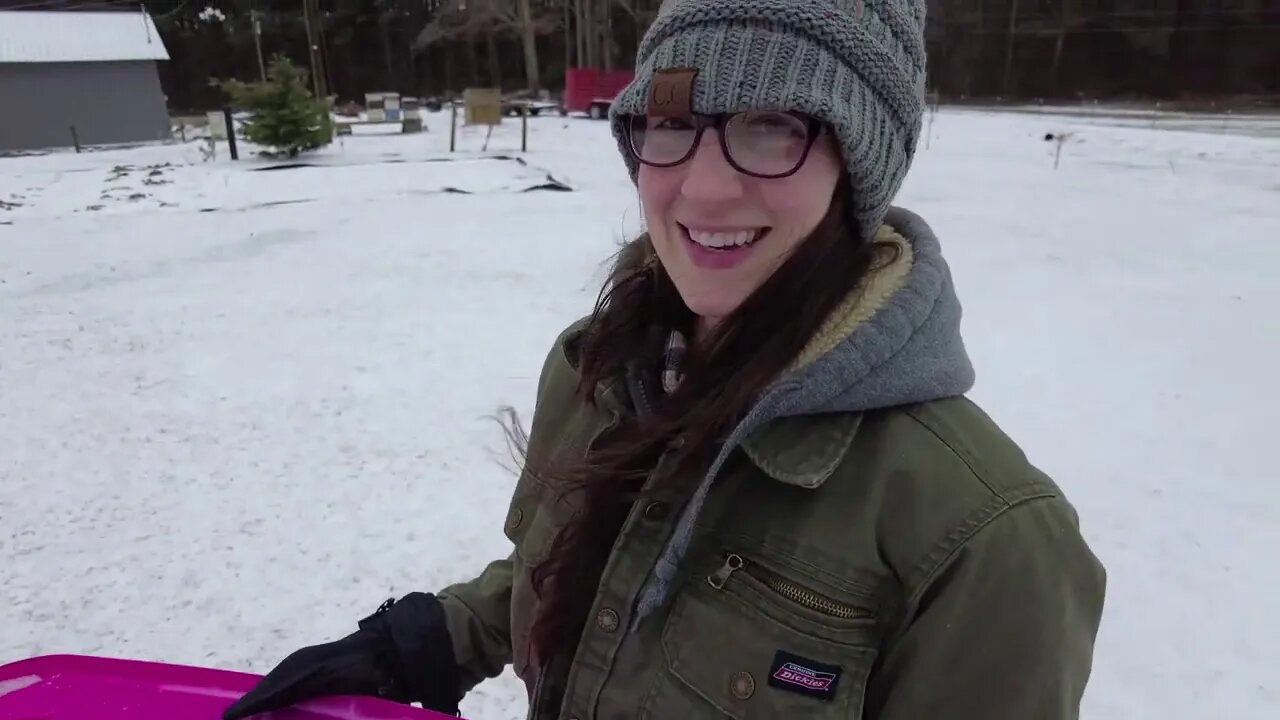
(753, 487)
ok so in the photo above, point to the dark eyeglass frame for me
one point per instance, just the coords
(719, 121)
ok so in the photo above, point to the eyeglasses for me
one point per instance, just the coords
(763, 144)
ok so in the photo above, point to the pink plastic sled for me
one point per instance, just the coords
(74, 687)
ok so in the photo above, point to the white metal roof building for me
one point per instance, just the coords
(95, 71)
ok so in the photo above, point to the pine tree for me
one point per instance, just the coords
(284, 116)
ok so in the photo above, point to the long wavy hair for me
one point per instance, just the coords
(724, 373)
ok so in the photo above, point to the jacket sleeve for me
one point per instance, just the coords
(478, 613)
(1003, 629)
(478, 617)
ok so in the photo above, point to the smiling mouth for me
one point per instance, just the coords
(725, 242)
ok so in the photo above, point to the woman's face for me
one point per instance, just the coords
(720, 233)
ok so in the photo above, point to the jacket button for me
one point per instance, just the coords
(608, 620)
(657, 511)
(743, 686)
(517, 517)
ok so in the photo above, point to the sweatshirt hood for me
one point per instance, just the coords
(894, 340)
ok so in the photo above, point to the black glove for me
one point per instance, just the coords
(402, 652)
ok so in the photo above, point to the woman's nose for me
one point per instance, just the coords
(710, 177)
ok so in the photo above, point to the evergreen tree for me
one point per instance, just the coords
(284, 115)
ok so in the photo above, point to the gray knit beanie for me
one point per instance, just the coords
(858, 65)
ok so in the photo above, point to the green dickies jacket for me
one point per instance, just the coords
(857, 553)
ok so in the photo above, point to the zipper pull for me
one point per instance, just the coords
(732, 564)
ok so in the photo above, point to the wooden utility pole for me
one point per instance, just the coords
(597, 32)
(1008, 55)
(322, 51)
(308, 18)
(593, 33)
(529, 42)
(568, 40)
(474, 63)
(384, 25)
(447, 50)
(580, 26)
(635, 18)
(495, 62)
(257, 44)
(1070, 12)
(606, 45)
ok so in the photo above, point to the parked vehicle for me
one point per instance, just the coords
(590, 91)
(514, 107)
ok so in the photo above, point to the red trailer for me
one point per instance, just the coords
(590, 91)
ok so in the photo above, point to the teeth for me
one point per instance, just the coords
(723, 240)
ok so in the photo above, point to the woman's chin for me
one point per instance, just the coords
(710, 309)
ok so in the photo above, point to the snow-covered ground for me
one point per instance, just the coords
(241, 407)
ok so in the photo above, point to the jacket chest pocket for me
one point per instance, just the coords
(531, 527)
(751, 643)
(536, 515)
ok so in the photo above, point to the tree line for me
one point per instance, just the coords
(1010, 49)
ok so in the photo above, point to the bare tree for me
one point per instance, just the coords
(580, 32)
(1070, 16)
(528, 39)
(600, 35)
(1008, 57)
(469, 18)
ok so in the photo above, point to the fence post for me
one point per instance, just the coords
(524, 131)
(231, 131)
(75, 138)
(453, 126)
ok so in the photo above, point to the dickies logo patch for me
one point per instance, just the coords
(793, 673)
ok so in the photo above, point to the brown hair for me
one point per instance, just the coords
(723, 375)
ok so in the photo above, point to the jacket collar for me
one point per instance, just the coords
(803, 450)
(610, 394)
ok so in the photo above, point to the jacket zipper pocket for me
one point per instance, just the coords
(785, 588)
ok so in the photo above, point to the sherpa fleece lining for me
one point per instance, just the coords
(865, 300)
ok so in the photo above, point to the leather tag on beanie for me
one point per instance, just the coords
(671, 93)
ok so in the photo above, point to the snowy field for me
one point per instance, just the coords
(240, 407)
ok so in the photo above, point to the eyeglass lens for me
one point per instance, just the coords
(764, 143)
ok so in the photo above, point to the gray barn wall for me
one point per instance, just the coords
(108, 102)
